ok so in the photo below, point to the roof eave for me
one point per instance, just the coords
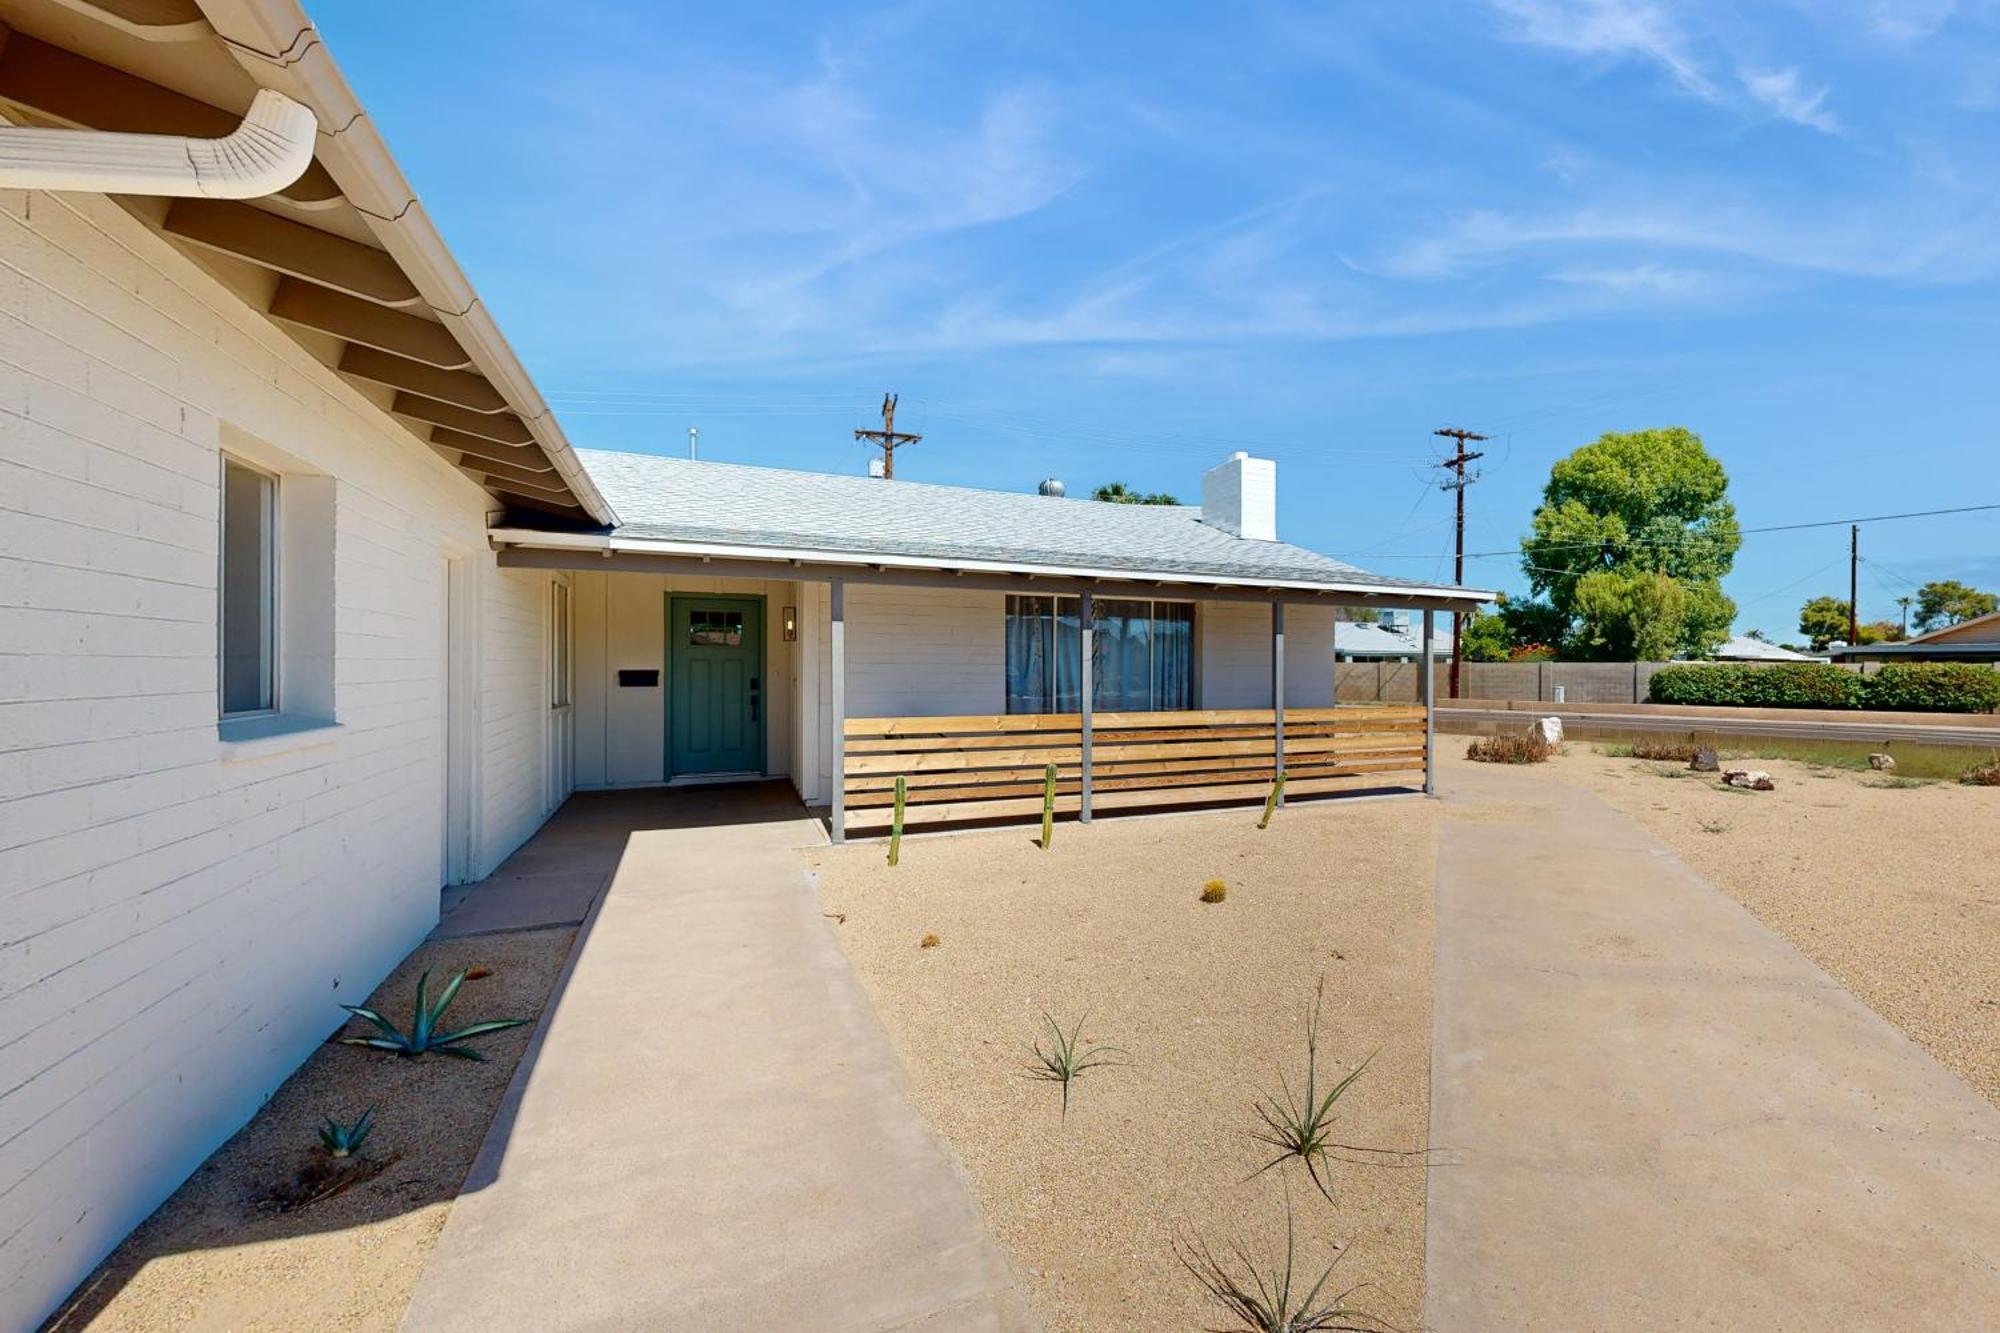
(278, 45)
(612, 545)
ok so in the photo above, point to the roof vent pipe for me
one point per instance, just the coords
(268, 151)
(1052, 486)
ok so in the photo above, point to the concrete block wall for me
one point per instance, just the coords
(179, 916)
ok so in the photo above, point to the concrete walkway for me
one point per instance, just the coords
(1656, 1113)
(710, 1130)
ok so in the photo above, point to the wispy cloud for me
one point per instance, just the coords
(1785, 92)
(1611, 30)
(1616, 30)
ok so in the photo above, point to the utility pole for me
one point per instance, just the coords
(1854, 585)
(887, 438)
(1458, 481)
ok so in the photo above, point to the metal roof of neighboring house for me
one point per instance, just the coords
(1743, 648)
(1354, 638)
(779, 512)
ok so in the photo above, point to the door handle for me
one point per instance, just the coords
(753, 698)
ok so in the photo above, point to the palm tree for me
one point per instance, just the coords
(1118, 493)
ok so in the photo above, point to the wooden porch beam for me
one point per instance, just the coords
(311, 306)
(837, 692)
(1429, 693)
(500, 427)
(524, 557)
(1278, 692)
(518, 458)
(1086, 620)
(549, 487)
(292, 247)
(82, 94)
(540, 506)
(543, 480)
(457, 387)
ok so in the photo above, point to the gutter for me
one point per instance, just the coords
(610, 545)
(268, 151)
(277, 45)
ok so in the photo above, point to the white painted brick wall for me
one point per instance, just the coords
(175, 929)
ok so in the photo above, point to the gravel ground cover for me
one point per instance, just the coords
(1208, 1001)
(219, 1255)
(1890, 883)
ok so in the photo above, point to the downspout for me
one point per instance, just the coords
(268, 151)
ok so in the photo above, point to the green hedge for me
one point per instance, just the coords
(1902, 687)
(1934, 687)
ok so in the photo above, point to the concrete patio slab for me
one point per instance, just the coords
(710, 1129)
(1652, 1112)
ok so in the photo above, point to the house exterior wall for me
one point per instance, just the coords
(621, 624)
(928, 652)
(180, 915)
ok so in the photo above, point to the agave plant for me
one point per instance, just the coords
(1067, 1060)
(1301, 1124)
(345, 1140)
(423, 1038)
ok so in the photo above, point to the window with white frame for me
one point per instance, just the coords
(559, 645)
(1142, 657)
(249, 590)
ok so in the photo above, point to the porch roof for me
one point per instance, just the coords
(673, 504)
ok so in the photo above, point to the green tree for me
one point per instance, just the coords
(1630, 615)
(1947, 602)
(1118, 493)
(1487, 639)
(1822, 620)
(1651, 503)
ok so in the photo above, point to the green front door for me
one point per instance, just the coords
(715, 679)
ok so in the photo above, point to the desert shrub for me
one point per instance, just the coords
(1934, 687)
(929, 942)
(1214, 891)
(1983, 774)
(1663, 749)
(1069, 1058)
(1789, 685)
(1516, 748)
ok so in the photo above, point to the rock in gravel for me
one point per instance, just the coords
(1882, 763)
(1752, 779)
(1551, 730)
(1704, 761)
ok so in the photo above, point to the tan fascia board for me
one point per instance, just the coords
(862, 562)
(277, 44)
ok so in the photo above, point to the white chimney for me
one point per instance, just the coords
(1241, 497)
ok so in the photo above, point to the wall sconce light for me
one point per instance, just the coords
(791, 624)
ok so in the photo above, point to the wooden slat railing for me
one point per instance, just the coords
(994, 767)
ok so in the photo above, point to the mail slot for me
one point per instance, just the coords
(648, 680)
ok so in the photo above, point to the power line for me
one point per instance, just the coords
(1746, 532)
(1457, 483)
(888, 438)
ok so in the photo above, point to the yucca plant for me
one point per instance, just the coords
(1301, 1124)
(423, 1038)
(345, 1140)
(1267, 1302)
(1067, 1060)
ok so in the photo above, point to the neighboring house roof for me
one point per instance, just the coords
(1353, 638)
(1743, 648)
(1978, 630)
(345, 259)
(764, 512)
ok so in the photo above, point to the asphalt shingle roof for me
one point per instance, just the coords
(677, 499)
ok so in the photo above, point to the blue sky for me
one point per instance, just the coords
(1116, 241)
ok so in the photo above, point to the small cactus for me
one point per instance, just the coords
(1214, 891)
(929, 942)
